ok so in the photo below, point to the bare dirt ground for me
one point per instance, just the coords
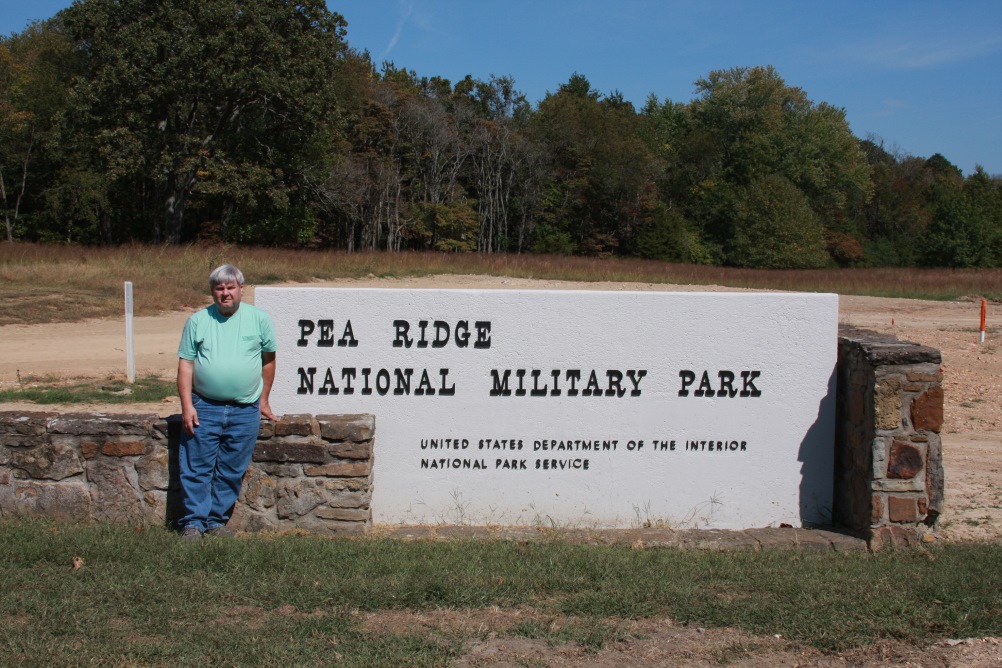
(972, 445)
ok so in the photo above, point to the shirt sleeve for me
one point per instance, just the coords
(269, 344)
(188, 348)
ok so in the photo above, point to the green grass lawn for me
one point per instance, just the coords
(107, 391)
(141, 597)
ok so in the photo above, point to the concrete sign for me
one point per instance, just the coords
(574, 409)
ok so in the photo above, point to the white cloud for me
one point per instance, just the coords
(406, 10)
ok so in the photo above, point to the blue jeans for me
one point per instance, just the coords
(214, 460)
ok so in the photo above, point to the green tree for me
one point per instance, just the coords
(967, 219)
(745, 127)
(602, 186)
(35, 67)
(230, 101)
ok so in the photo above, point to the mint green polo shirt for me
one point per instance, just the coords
(227, 352)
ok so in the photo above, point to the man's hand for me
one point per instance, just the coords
(189, 418)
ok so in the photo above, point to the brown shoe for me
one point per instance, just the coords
(191, 534)
(221, 531)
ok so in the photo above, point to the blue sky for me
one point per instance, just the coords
(924, 76)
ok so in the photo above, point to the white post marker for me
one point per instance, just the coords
(130, 348)
(984, 318)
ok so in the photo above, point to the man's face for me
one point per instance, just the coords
(227, 296)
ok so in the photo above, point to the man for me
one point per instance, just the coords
(226, 366)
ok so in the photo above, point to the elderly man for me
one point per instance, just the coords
(226, 366)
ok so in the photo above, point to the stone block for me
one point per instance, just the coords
(924, 376)
(296, 425)
(351, 450)
(259, 489)
(343, 514)
(244, 519)
(89, 448)
(279, 470)
(298, 497)
(902, 509)
(291, 449)
(880, 450)
(887, 404)
(340, 470)
(80, 424)
(154, 470)
(53, 461)
(61, 501)
(927, 410)
(21, 440)
(890, 537)
(329, 527)
(267, 430)
(910, 485)
(877, 509)
(905, 461)
(123, 448)
(25, 423)
(355, 428)
(348, 499)
(114, 490)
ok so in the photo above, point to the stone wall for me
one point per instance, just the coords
(315, 473)
(309, 473)
(888, 453)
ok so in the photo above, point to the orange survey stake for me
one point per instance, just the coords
(984, 317)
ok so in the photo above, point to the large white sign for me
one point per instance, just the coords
(574, 409)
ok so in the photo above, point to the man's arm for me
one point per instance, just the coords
(268, 376)
(185, 373)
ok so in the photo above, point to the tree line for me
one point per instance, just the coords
(254, 121)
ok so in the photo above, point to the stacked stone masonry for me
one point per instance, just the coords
(308, 473)
(889, 459)
(314, 473)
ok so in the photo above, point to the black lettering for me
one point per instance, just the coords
(441, 334)
(326, 339)
(727, 388)
(573, 375)
(329, 387)
(382, 382)
(635, 377)
(424, 385)
(462, 334)
(615, 384)
(347, 339)
(748, 388)
(403, 381)
(705, 389)
(423, 342)
(536, 390)
(305, 329)
(401, 339)
(688, 378)
(483, 334)
(348, 375)
(306, 380)
(446, 391)
(500, 388)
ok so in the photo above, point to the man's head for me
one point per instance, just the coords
(226, 283)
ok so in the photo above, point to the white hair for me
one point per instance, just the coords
(225, 273)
